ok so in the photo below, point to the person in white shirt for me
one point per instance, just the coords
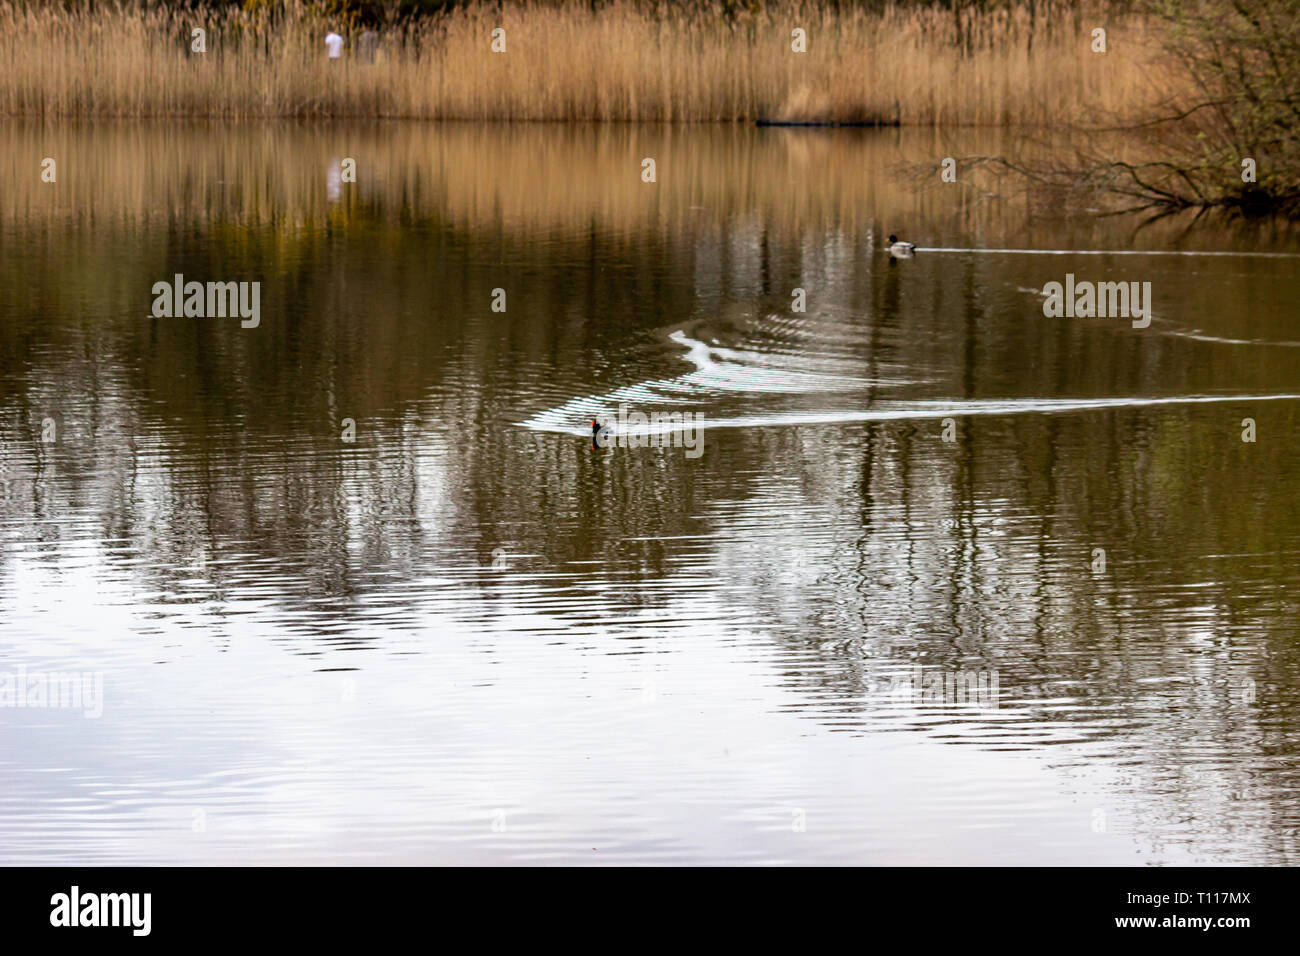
(334, 43)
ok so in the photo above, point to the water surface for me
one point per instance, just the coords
(467, 636)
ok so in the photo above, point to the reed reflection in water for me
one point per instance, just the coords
(467, 636)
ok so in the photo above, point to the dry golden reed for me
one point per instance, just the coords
(1029, 64)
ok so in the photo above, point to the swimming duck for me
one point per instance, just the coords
(901, 250)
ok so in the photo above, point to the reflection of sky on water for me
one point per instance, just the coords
(319, 650)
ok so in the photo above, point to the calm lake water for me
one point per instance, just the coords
(467, 636)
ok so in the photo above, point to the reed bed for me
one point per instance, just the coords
(1026, 64)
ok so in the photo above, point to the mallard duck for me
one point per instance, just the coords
(900, 250)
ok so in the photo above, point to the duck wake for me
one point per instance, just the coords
(721, 370)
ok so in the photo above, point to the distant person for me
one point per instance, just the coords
(334, 43)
